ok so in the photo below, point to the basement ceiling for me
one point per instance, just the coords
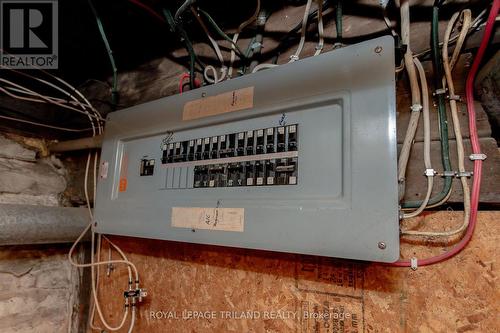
(139, 36)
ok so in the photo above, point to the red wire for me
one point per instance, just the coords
(149, 10)
(185, 76)
(476, 149)
(181, 81)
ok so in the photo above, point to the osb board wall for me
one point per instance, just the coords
(231, 285)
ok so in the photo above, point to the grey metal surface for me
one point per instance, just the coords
(345, 202)
(30, 224)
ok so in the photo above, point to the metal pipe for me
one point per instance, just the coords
(77, 144)
(30, 224)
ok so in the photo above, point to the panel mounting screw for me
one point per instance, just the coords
(381, 245)
(203, 94)
(378, 49)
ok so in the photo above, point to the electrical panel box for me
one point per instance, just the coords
(299, 158)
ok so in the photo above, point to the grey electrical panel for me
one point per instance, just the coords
(298, 158)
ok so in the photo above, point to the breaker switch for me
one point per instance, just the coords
(281, 141)
(260, 172)
(240, 145)
(190, 151)
(147, 167)
(206, 148)
(222, 146)
(184, 151)
(250, 143)
(236, 174)
(292, 137)
(270, 172)
(231, 145)
(177, 157)
(164, 156)
(214, 149)
(171, 153)
(259, 147)
(270, 140)
(198, 149)
(292, 179)
(201, 176)
(250, 173)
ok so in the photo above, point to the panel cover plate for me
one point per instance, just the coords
(340, 202)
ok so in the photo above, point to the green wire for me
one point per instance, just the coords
(114, 89)
(248, 54)
(443, 122)
(220, 32)
(338, 22)
(177, 28)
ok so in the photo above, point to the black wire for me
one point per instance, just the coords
(221, 33)
(178, 29)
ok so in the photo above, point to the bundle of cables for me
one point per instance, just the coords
(470, 203)
(72, 99)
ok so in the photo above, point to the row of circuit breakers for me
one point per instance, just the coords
(220, 164)
(229, 171)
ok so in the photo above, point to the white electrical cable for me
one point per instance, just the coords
(236, 36)
(427, 140)
(214, 78)
(416, 107)
(96, 264)
(73, 89)
(25, 92)
(474, 26)
(466, 15)
(94, 292)
(52, 101)
(321, 42)
(29, 99)
(48, 100)
(263, 66)
(216, 47)
(83, 105)
(132, 320)
(388, 22)
(93, 264)
(92, 304)
(296, 55)
(93, 115)
(122, 254)
(19, 120)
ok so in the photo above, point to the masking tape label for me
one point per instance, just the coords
(231, 101)
(223, 219)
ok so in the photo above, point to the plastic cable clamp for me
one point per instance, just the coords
(416, 107)
(464, 174)
(414, 263)
(448, 173)
(475, 157)
(440, 91)
(429, 172)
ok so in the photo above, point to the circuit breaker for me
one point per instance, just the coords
(298, 158)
